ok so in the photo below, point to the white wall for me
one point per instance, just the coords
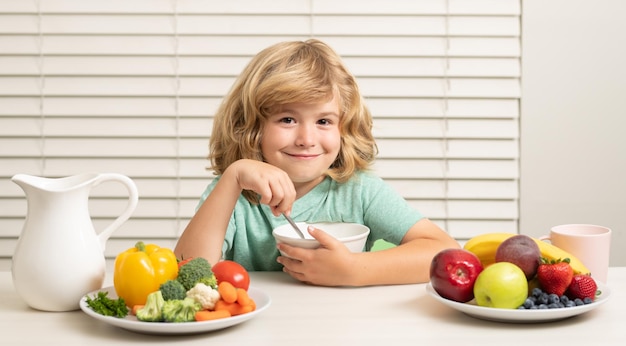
(573, 148)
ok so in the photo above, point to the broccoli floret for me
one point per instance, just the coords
(194, 271)
(173, 289)
(181, 310)
(151, 312)
(209, 281)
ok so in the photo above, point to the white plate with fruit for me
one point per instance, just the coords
(507, 278)
(522, 316)
(131, 323)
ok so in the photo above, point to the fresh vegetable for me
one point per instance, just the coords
(140, 271)
(206, 315)
(182, 262)
(152, 311)
(205, 295)
(196, 270)
(173, 289)
(233, 308)
(555, 276)
(243, 298)
(241, 305)
(232, 272)
(106, 306)
(136, 308)
(227, 291)
(180, 310)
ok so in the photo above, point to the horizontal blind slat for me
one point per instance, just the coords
(298, 24)
(248, 45)
(500, 7)
(232, 66)
(105, 127)
(110, 106)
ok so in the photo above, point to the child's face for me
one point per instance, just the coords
(303, 140)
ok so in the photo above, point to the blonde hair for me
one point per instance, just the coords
(289, 72)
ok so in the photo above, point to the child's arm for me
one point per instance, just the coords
(204, 235)
(334, 265)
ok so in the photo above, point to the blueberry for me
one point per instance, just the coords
(528, 303)
(553, 306)
(564, 299)
(579, 301)
(587, 300)
(536, 292)
(553, 298)
(543, 299)
(570, 304)
(543, 306)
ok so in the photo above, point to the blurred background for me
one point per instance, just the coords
(490, 115)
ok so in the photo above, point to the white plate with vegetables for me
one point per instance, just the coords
(261, 299)
(522, 316)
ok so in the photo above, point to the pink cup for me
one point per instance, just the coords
(591, 244)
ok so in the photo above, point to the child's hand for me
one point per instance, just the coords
(270, 182)
(329, 265)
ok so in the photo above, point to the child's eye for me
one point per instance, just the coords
(287, 120)
(324, 122)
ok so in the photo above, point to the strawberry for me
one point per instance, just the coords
(582, 286)
(555, 276)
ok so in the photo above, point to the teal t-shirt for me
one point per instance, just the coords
(365, 199)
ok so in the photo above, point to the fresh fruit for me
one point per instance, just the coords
(485, 246)
(538, 299)
(232, 272)
(582, 286)
(501, 285)
(522, 251)
(555, 276)
(453, 273)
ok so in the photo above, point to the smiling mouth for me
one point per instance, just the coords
(304, 156)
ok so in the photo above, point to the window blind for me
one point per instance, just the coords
(131, 87)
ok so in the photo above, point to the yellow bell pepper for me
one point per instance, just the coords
(140, 271)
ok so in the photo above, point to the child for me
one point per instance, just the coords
(293, 136)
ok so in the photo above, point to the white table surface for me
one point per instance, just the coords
(306, 315)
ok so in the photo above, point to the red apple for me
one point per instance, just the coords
(453, 273)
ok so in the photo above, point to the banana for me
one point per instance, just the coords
(484, 246)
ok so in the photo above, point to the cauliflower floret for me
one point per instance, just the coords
(205, 295)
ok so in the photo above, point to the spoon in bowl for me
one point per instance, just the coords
(293, 224)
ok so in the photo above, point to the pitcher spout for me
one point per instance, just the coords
(26, 181)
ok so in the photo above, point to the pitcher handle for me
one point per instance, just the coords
(133, 198)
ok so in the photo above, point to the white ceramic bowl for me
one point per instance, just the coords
(352, 235)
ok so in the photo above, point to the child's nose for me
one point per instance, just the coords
(305, 136)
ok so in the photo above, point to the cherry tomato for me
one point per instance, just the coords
(232, 272)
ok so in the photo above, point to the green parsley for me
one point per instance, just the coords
(107, 306)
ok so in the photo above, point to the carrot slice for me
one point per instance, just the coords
(243, 298)
(234, 308)
(136, 308)
(227, 291)
(208, 315)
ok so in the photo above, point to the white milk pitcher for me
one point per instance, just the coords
(59, 256)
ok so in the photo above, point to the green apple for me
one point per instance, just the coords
(501, 285)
